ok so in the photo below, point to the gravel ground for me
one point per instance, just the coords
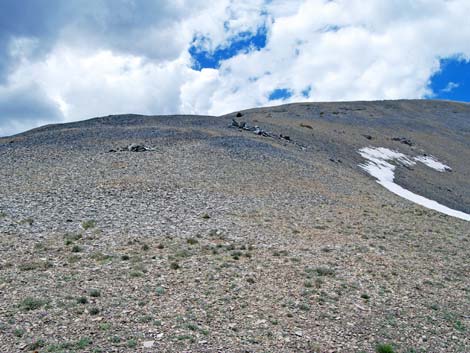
(220, 240)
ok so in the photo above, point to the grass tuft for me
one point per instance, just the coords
(88, 224)
(384, 348)
(31, 303)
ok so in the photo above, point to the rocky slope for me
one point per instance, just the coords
(224, 236)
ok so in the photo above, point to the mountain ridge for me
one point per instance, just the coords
(259, 230)
(430, 102)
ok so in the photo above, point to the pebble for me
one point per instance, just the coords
(148, 344)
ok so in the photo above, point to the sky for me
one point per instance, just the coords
(70, 60)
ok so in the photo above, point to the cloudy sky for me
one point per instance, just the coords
(66, 60)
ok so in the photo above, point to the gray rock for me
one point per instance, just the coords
(134, 147)
(404, 140)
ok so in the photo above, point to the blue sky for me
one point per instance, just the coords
(69, 60)
(452, 81)
(243, 42)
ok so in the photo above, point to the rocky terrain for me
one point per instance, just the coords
(256, 231)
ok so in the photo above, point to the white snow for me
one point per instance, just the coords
(433, 163)
(379, 166)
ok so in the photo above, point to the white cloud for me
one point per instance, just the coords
(25, 105)
(450, 87)
(342, 50)
(86, 85)
(376, 53)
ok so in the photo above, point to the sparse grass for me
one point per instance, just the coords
(183, 253)
(36, 345)
(83, 343)
(94, 311)
(73, 259)
(146, 319)
(31, 303)
(70, 238)
(452, 318)
(280, 253)
(131, 343)
(459, 326)
(39, 246)
(115, 339)
(325, 271)
(104, 326)
(136, 274)
(100, 257)
(28, 221)
(384, 348)
(19, 332)
(236, 255)
(239, 300)
(139, 267)
(95, 293)
(76, 248)
(88, 224)
(35, 265)
(192, 327)
(59, 347)
(185, 337)
(82, 300)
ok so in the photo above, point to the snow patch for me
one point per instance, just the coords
(380, 166)
(433, 163)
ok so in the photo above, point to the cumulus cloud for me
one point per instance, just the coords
(70, 60)
(24, 106)
(347, 50)
(149, 28)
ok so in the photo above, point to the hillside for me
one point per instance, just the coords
(262, 233)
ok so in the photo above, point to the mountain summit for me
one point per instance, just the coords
(308, 227)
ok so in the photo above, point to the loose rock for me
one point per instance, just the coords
(404, 140)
